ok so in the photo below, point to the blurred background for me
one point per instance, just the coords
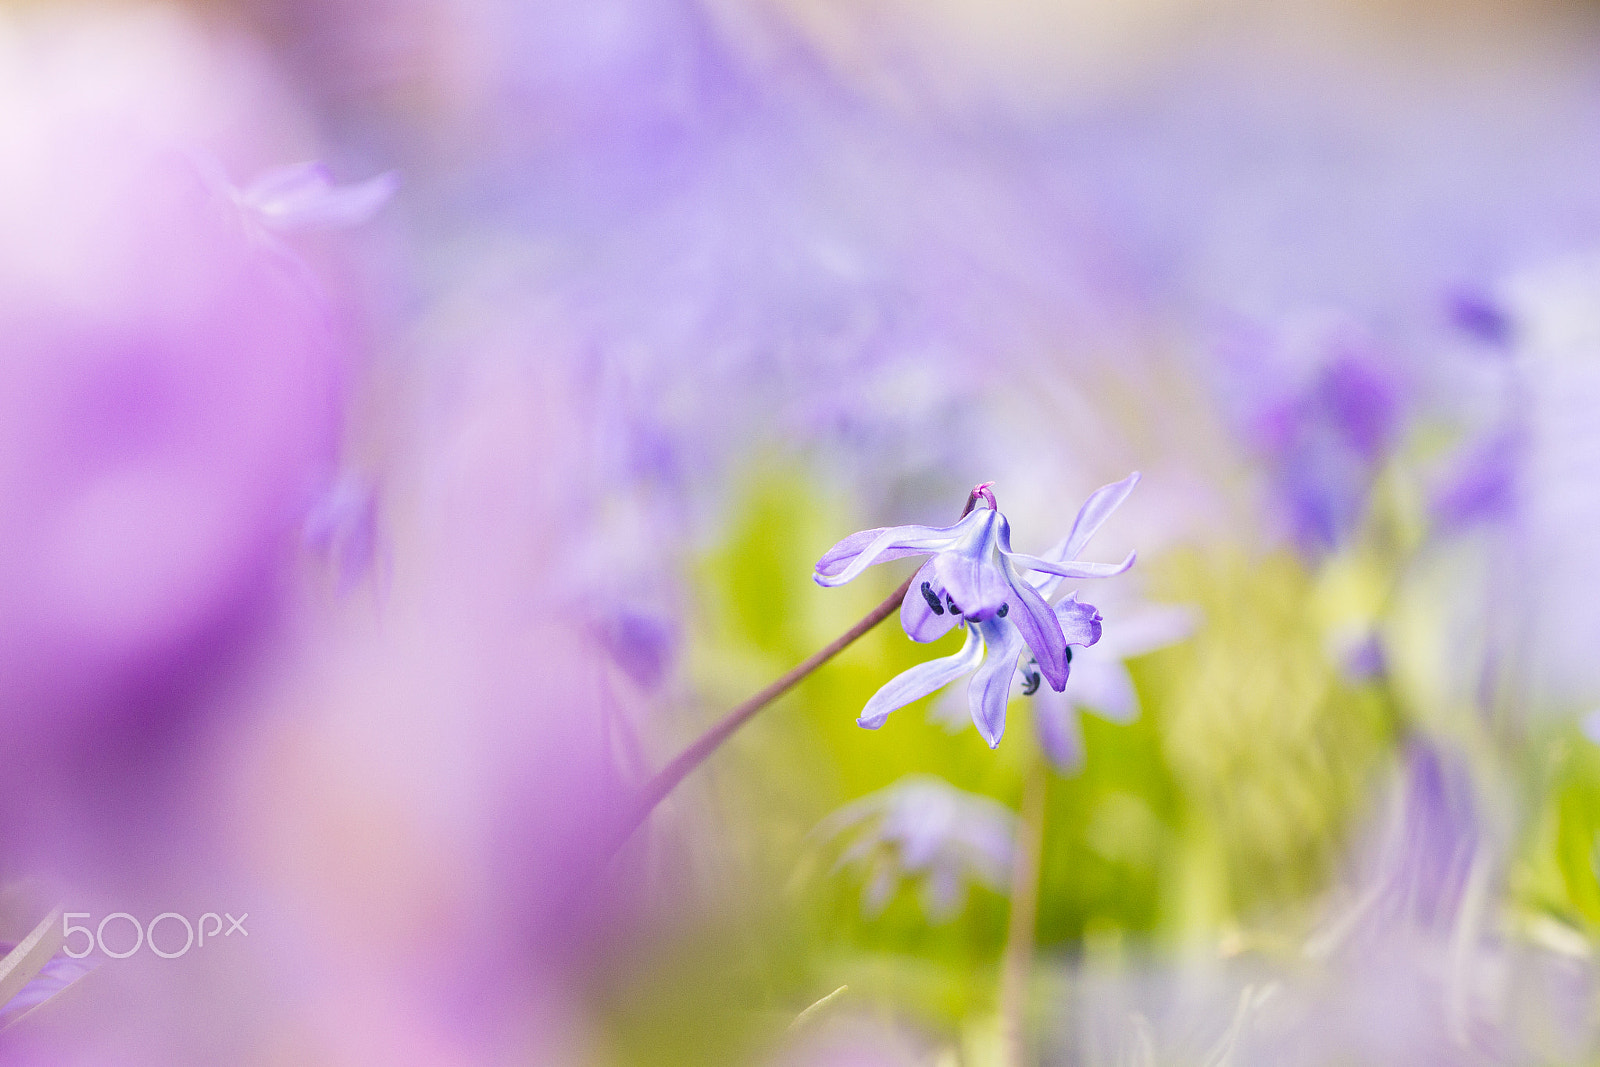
(420, 420)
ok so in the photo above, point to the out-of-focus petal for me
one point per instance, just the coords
(53, 978)
(878, 890)
(944, 892)
(303, 196)
(1148, 629)
(1102, 685)
(1055, 721)
(921, 680)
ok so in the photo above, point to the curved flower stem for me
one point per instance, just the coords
(667, 779)
(669, 776)
(1016, 961)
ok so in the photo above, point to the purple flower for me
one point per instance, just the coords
(643, 642)
(995, 645)
(922, 826)
(1101, 683)
(1481, 484)
(1323, 404)
(994, 650)
(974, 577)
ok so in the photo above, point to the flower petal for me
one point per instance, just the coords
(1073, 568)
(1102, 685)
(1148, 629)
(919, 616)
(1039, 627)
(944, 892)
(970, 570)
(879, 889)
(1055, 721)
(1080, 623)
(1093, 515)
(990, 688)
(847, 559)
(921, 680)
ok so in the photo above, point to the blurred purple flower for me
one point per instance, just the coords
(1434, 838)
(175, 393)
(1481, 484)
(1323, 404)
(1480, 315)
(641, 642)
(924, 827)
(1100, 682)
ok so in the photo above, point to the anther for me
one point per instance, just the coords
(1069, 655)
(955, 609)
(933, 599)
(1005, 609)
(1030, 683)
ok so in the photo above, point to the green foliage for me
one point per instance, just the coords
(1557, 872)
(1272, 749)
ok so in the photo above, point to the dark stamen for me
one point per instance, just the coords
(1069, 655)
(955, 609)
(1030, 683)
(1005, 609)
(933, 599)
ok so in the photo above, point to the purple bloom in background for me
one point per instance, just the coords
(641, 641)
(174, 398)
(1481, 484)
(1426, 853)
(1100, 682)
(1480, 315)
(924, 827)
(1323, 405)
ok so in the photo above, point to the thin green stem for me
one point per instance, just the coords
(1016, 960)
